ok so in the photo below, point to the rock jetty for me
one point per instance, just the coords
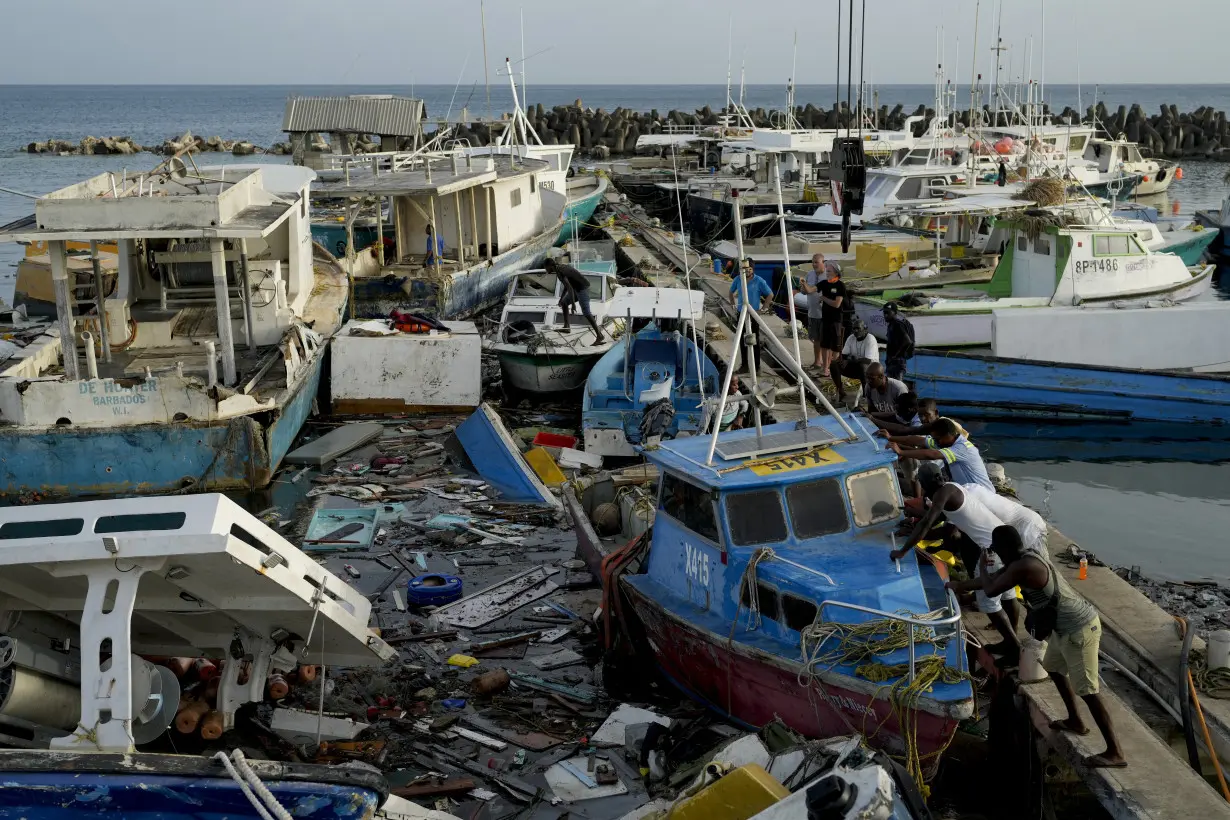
(127, 145)
(1203, 133)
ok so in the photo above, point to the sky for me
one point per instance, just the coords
(385, 42)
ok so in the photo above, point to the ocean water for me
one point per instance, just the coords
(1157, 499)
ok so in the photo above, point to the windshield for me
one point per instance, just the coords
(535, 285)
(817, 508)
(690, 506)
(755, 517)
(873, 497)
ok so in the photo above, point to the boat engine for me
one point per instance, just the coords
(40, 685)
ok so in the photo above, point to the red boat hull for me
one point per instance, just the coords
(754, 688)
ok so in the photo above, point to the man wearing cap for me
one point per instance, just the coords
(858, 353)
(825, 313)
(899, 343)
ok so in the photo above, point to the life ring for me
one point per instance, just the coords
(341, 247)
(433, 589)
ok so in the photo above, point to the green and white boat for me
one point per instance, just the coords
(1046, 262)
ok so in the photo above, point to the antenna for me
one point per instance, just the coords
(525, 93)
(730, 34)
(482, 11)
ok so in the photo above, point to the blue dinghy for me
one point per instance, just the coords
(630, 378)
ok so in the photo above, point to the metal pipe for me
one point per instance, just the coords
(380, 231)
(211, 363)
(91, 361)
(751, 357)
(435, 234)
(100, 301)
(245, 295)
(58, 252)
(781, 222)
(487, 205)
(474, 222)
(461, 240)
(222, 298)
(730, 372)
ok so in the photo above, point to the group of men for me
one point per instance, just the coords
(1002, 544)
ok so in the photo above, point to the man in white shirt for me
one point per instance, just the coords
(860, 351)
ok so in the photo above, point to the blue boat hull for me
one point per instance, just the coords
(497, 459)
(580, 211)
(236, 454)
(1192, 250)
(608, 412)
(995, 387)
(56, 786)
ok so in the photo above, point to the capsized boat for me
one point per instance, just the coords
(101, 592)
(1047, 262)
(153, 393)
(653, 372)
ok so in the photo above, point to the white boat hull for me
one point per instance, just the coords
(546, 372)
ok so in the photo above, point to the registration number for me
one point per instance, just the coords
(802, 461)
(1098, 265)
(696, 565)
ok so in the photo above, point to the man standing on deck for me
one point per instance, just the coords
(1071, 649)
(976, 522)
(811, 289)
(435, 247)
(949, 444)
(576, 290)
(900, 341)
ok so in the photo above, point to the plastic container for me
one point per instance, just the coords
(433, 589)
(1219, 649)
(745, 792)
(554, 440)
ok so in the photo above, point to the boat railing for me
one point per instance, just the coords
(910, 620)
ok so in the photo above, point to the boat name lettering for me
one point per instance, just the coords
(566, 372)
(696, 564)
(847, 703)
(91, 387)
(1138, 265)
(1098, 265)
(802, 461)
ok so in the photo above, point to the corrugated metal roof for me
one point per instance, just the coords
(382, 114)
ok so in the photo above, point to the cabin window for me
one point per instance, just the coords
(873, 497)
(766, 599)
(1077, 143)
(1112, 245)
(531, 316)
(755, 517)
(1042, 245)
(46, 528)
(516, 197)
(690, 506)
(798, 613)
(1022, 243)
(910, 189)
(817, 508)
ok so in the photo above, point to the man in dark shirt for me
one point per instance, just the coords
(832, 292)
(899, 348)
(576, 290)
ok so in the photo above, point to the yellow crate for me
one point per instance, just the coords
(545, 466)
(872, 257)
(743, 793)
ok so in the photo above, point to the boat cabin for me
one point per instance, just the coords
(320, 127)
(192, 245)
(1067, 265)
(481, 206)
(534, 296)
(824, 504)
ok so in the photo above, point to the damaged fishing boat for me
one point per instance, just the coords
(765, 588)
(146, 390)
(97, 594)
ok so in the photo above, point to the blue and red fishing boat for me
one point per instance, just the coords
(766, 589)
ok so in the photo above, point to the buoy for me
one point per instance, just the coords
(188, 718)
(433, 589)
(606, 518)
(307, 674)
(278, 688)
(1178, 172)
(205, 669)
(211, 725)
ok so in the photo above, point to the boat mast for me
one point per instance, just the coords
(524, 88)
(486, 73)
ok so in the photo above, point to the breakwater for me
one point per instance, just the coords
(1201, 133)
